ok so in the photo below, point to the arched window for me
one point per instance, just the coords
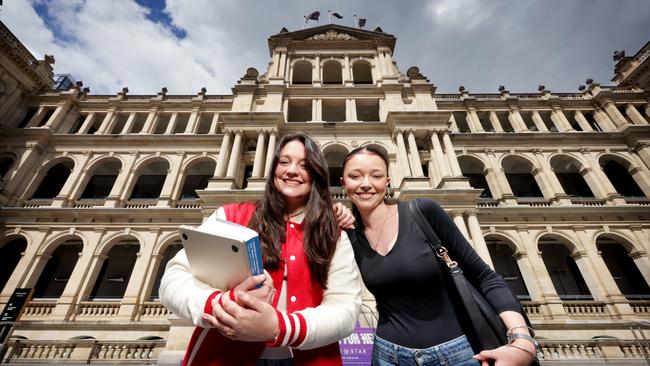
(5, 164)
(563, 270)
(332, 73)
(10, 254)
(473, 169)
(362, 73)
(621, 179)
(116, 271)
(151, 180)
(54, 180)
(102, 181)
(567, 170)
(302, 73)
(520, 178)
(506, 265)
(625, 272)
(57, 271)
(169, 253)
(197, 178)
(334, 157)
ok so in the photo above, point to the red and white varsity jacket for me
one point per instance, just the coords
(315, 318)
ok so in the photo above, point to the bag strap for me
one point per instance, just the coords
(464, 288)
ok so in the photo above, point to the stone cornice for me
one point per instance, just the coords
(421, 120)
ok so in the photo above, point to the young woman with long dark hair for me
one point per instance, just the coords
(310, 294)
(417, 321)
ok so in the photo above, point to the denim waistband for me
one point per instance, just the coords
(454, 352)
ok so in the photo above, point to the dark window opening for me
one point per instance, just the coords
(523, 185)
(367, 110)
(478, 181)
(57, 271)
(626, 274)
(505, 121)
(205, 121)
(77, 124)
(5, 164)
(248, 172)
(151, 180)
(299, 110)
(181, 122)
(528, 120)
(548, 121)
(120, 122)
(461, 121)
(115, 273)
(332, 73)
(362, 73)
(302, 72)
(99, 186)
(591, 120)
(574, 185)
(53, 181)
(46, 117)
(484, 120)
(334, 110)
(564, 272)
(138, 122)
(28, 116)
(621, 179)
(10, 255)
(162, 123)
(97, 123)
(194, 183)
(506, 266)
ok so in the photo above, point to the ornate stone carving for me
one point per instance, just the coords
(331, 36)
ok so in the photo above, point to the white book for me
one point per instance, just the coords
(222, 253)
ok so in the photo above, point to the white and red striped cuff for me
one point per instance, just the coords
(293, 330)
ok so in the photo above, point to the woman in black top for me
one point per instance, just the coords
(417, 321)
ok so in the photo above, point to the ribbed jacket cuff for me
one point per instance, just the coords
(293, 330)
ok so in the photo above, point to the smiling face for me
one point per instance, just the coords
(292, 176)
(365, 179)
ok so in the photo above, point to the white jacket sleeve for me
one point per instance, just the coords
(183, 294)
(337, 313)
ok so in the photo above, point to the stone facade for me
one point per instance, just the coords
(547, 187)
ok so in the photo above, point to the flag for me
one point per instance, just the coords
(337, 15)
(362, 22)
(312, 16)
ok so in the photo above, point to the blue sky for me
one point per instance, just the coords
(185, 45)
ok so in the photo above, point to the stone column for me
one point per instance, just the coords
(642, 178)
(88, 122)
(477, 238)
(603, 120)
(150, 123)
(516, 121)
(500, 179)
(457, 216)
(129, 305)
(551, 186)
(37, 117)
(595, 177)
(540, 286)
(108, 122)
(560, 121)
(270, 153)
(351, 110)
(451, 155)
(402, 157)
(634, 115)
(614, 114)
(25, 167)
(317, 110)
(582, 121)
(214, 123)
(235, 155)
(642, 149)
(416, 165)
(171, 125)
(640, 256)
(496, 124)
(64, 198)
(120, 189)
(193, 122)
(128, 126)
(473, 121)
(92, 273)
(442, 164)
(66, 303)
(539, 123)
(172, 180)
(58, 115)
(224, 152)
(347, 71)
(259, 154)
(598, 278)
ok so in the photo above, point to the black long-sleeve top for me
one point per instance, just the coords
(409, 283)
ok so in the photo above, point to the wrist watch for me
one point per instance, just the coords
(513, 336)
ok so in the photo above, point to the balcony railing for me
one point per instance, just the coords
(587, 201)
(644, 201)
(141, 202)
(94, 310)
(585, 308)
(533, 201)
(37, 202)
(89, 203)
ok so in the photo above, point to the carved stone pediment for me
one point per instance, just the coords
(331, 35)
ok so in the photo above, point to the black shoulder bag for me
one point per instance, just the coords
(488, 331)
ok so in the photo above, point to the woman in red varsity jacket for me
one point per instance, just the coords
(310, 294)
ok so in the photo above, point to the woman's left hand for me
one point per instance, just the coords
(248, 319)
(506, 356)
(344, 217)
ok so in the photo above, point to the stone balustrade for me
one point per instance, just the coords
(38, 309)
(83, 351)
(141, 202)
(94, 310)
(585, 308)
(152, 310)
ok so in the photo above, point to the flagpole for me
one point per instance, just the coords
(355, 21)
(329, 16)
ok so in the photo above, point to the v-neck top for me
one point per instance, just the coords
(408, 283)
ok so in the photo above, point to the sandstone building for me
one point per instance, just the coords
(552, 189)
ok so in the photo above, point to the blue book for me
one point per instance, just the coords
(222, 253)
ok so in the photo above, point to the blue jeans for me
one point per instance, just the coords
(456, 352)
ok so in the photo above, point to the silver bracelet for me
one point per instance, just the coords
(530, 330)
(534, 356)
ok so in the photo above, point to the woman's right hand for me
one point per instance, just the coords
(265, 292)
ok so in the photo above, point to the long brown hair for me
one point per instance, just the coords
(320, 231)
